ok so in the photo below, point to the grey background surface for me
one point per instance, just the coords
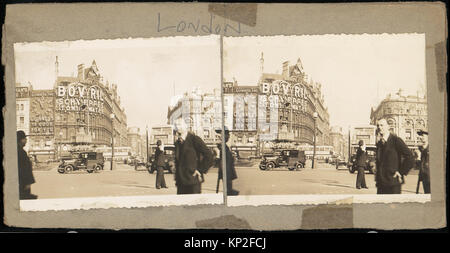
(61, 22)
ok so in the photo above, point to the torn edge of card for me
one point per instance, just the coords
(64, 204)
(260, 200)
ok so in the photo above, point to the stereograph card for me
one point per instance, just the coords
(178, 116)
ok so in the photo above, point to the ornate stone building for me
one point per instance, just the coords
(74, 114)
(279, 108)
(404, 114)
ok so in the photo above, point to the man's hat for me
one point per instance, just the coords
(158, 143)
(421, 132)
(361, 142)
(21, 135)
(220, 130)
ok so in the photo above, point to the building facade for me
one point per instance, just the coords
(339, 141)
(405, 115)
(279, 108)
(23, 96)
(199, 112)
(74, 115)
(136, 141)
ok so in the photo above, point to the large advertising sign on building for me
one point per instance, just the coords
(288, 95)
(72, 97)
(41, 112)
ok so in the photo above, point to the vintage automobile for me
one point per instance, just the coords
(89, 161)
(370, 162)
(169, 162)
(137, 163)
(338, 162)
(291, 158)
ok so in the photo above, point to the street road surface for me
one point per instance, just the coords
(122, 181)
(323, 180)
(125, 181)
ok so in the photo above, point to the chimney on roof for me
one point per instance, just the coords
(80, 75)
(285, 68)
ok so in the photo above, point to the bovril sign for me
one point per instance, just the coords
(73, 96)
(285, 92)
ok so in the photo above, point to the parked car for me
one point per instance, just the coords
(340, 162)
(169, 162)
(89, 161)
(290, 158)
(370, 162)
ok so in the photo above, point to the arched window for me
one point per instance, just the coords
(392, 125)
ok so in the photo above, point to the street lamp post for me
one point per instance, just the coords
(314, 149)
(146, 144)
(112, 139)
(60, 143)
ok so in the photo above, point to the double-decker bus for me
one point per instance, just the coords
(323, 153)
(121, 154)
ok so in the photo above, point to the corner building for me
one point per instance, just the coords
(279, 108)
(405, 115)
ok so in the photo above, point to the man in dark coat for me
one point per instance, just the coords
(230, 169)
(160, 163)
(192, 159)
(424, 172)
(361, 158)
(26, 178)
(394, 160)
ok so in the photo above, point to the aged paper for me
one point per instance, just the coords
(71, 22)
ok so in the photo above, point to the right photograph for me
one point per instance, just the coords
(326, 115)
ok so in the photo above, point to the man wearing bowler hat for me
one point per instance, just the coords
(26, 178)
(424, 172)
(361, 158)
(230, 169)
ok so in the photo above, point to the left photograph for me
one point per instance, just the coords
(118, 123)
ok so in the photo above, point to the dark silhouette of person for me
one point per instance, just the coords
(230, 169)
(26, 178)
(361, 158)
(424, 172)
(160, 161)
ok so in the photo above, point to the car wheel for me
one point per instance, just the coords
(68, 168)
(61, 171)
(97, 168)
(90, 170)
(299, 166)
(291, 168)
(262, 167)
(270, 166)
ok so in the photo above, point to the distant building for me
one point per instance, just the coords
(339, 141)
(200, 112)
(23, 96)
(404, 114)
(136, 141)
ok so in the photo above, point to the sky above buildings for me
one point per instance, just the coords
(356, 71)
(148, 72)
